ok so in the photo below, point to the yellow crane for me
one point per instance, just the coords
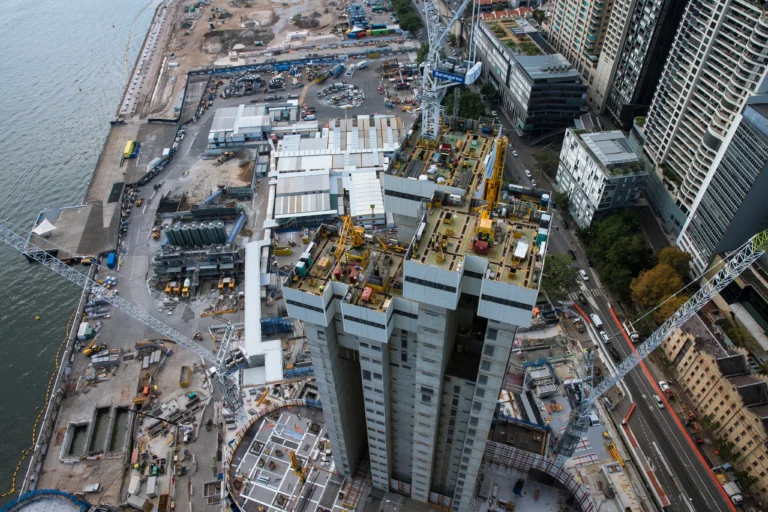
(491, 194)
(296, 467)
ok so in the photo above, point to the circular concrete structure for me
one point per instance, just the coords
(47, 501)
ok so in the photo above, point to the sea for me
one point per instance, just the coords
(64, 69)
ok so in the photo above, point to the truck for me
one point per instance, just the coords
(596, 320)
(731, 488)
(155, 162)
(337, 70)
(111, 260)
(362, 64)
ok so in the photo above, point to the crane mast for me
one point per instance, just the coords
(231, 393)
(737, 263)
(435, 79)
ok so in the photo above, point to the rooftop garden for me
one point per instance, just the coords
(631, 168)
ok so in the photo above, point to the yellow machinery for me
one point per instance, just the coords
(262, 397)
(305, 236)
(283, 251)
(92, 348)
(296, 467)
(390, 247)
(359, 251)
(491, 194)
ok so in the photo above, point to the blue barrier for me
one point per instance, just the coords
(37, 494)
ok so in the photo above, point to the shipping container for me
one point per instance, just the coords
(112, 260)
(129, 148)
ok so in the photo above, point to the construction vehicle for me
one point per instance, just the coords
(185, 288)
(738, 261)
(138, 202)
(390, 246)
(93, 348)
(229, 389)
(227, 155)
(296, 467)
(156, 233)
(725, 477)
(305, 236)
(282, 250)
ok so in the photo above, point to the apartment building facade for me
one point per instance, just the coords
(599, 172)
(579, 31)
(720, 385)
(638, 43)
(730, 207)
(719, 57)
(542, 93)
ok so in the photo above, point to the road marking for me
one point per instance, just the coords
(674, 477)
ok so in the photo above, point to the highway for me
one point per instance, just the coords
(685, 478)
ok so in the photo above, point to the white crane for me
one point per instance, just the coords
(437, 75)
(230, 391)
(737, 263)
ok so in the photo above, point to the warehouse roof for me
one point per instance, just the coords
(303, 205)
(366, 192)
(303, 183)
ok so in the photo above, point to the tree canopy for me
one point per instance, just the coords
(470, 104)
(618, 249)
(548, 161)
(421, 55)
(539, 16)
(490, 92)
(563, 201)
(559, 276)
(679, 260)
(409, 20)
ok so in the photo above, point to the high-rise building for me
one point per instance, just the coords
(538, 88)
(731, 205)
(718, 58)
(646, 38)
(410, 337)
(600, 173)
(579, 31)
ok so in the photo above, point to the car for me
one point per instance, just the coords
(493, 113)
(664, 386)
(511, 147)
(573, 254)
(659, 401)
(564, 223)
(582, 297)
(606, 338)
(534, 184)
(615, 355)
(514, 153)
(589, 262)
(528, 174)
(583, 274)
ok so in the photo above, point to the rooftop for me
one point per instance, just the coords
(612, 150)
(375, 262)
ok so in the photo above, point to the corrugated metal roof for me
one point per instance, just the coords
(303, 183)
(302, 205)
(365, 191)
(224, 119)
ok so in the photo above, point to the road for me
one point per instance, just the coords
(685, 479)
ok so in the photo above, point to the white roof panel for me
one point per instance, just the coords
(303, 183)
(365, 191)
(302, 205)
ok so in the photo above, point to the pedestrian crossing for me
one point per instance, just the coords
(596, 292)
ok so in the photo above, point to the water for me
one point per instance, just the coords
(63, 77)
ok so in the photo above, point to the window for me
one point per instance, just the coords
(366, 375)
(488, 349)
(482, 379)
(480, 393)
(485, 365)
(404, 357)
(491, 335)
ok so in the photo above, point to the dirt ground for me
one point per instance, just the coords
(194, 46)
(205, 176)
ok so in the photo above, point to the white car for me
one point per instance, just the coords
(606, 338)
(583, 274)
(528, 174)
(511, 147)
(659, 401)
(664, 386)
(514, 153)
(493, 113)
(534, 184)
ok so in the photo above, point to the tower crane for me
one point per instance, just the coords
(230, 391)
(437, 76)
(739, 261)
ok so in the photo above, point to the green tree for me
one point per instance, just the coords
(548, 161)
(539, 15)
(744, 479)
(617, 278)
(651, 287)
(559, 276)
(452, 39)
(563, 201)
(410, 21)
(724, 448)
(490, 92)
(680, 261)
(421, 55)
(470, 104)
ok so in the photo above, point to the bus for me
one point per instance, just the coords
(130, 148)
